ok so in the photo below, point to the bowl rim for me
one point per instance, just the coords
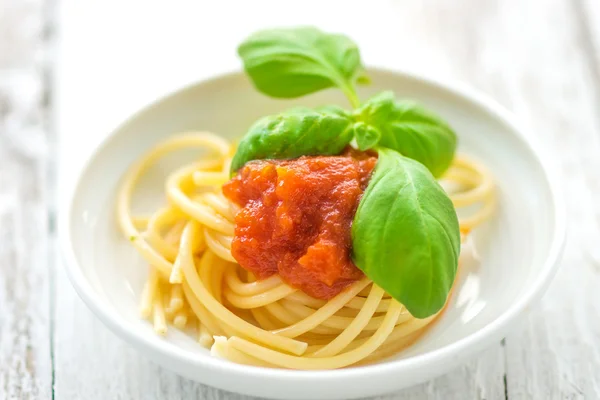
(466, 345)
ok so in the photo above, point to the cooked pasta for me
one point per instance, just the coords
(194, 282)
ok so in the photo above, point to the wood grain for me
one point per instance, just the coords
(554, 357)
(25, 327)
(539, 58)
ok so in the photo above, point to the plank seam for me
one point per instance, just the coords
(48, 85)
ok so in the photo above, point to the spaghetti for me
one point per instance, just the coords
(195, 284)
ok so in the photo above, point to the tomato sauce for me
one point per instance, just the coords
(296, 216)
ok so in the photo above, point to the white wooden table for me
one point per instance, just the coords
(69, 72)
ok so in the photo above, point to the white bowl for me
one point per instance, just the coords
(518, 248)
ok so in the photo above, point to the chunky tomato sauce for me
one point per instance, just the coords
(296, 216)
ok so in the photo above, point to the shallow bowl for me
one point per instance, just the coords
(517, 250)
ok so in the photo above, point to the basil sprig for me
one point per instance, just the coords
(405, 234)
(294, 62)
(294, 133)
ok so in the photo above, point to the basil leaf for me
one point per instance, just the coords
(366, 136)
(293, 62)
(337, 110)
(294, 133)
(412, 130)
(405, 234)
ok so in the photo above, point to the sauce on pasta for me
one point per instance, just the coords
(195, 284)
(295, 219)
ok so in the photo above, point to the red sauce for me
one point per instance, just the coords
(296, 216)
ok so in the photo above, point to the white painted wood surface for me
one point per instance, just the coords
(540, 58)
(25, 274)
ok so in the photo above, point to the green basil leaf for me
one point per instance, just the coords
(366, 136)
(294, 133)
(293, 62)
(337, 110)
(405, 234)
(412, 130)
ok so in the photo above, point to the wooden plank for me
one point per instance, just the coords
(587, 13)
(555, 92)
(25, 276)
